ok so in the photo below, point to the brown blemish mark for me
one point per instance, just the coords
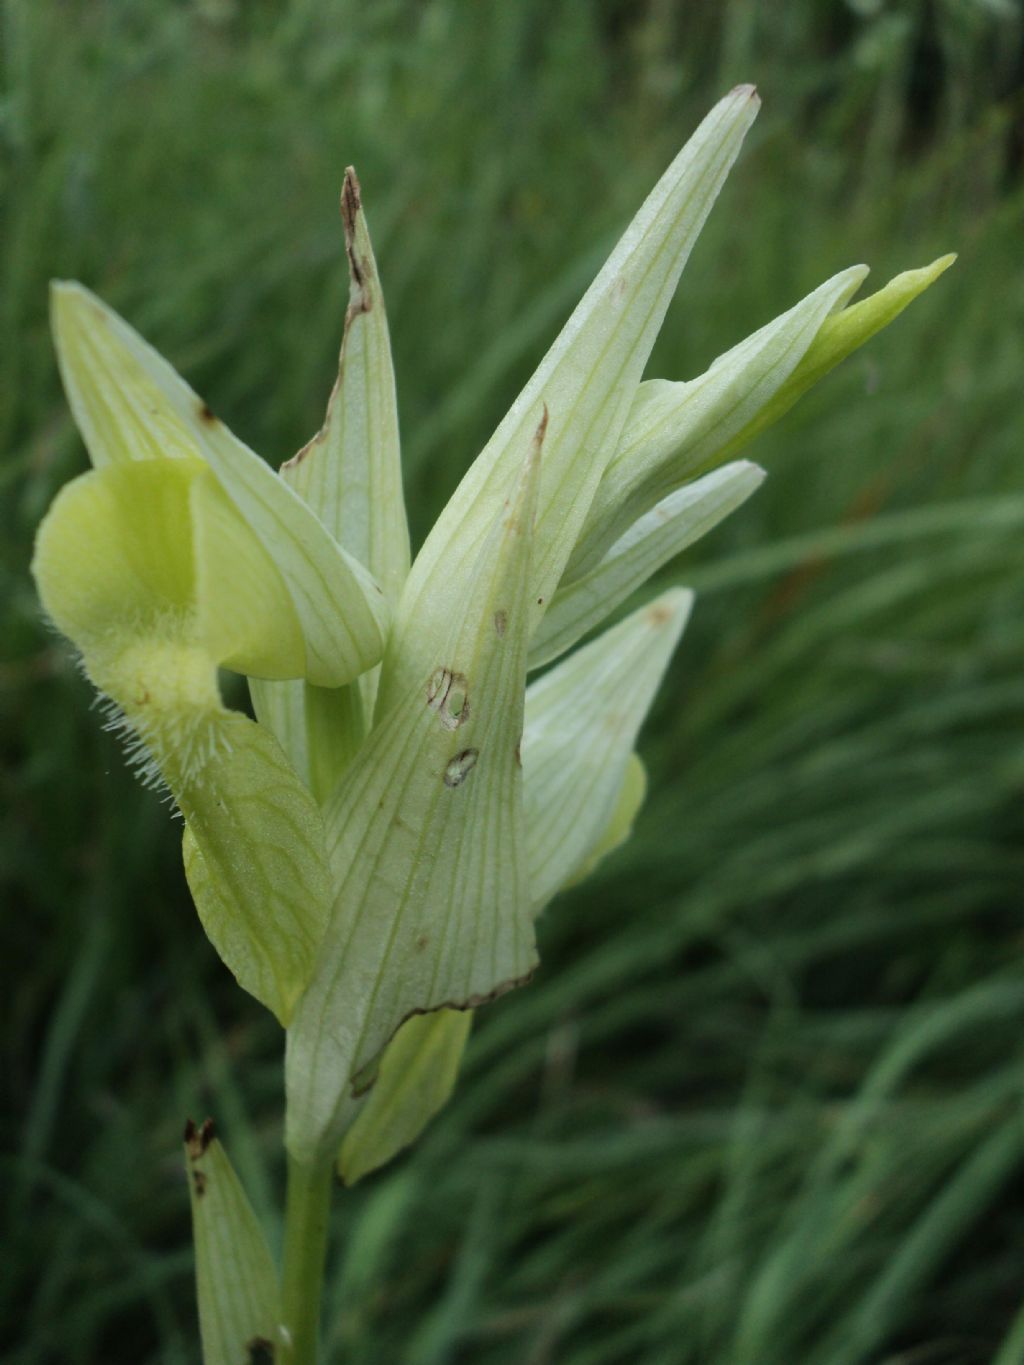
(659, 615)
(422, 943)
(360, 269)
(471, 1002)
(460, 767)
(519, 753)
(542, 430)
(351, 201)
(540, 601)
(197, 1140)
(366, 1077)
(199, 1181)
(206, 413)
(448, 695)
(260, 1351)
(307, 449)
(500, 623)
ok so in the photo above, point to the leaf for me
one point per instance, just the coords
(587, 382)
(426, 845)
(582, 720)
(236, 1280)
(840, 335)
(418, 1070)
(662, 533)
(676, 430)
(130, 405)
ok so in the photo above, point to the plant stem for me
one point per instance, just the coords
(305, 1248)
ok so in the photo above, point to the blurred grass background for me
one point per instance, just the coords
(764, 1104)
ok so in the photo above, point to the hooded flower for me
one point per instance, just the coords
(371, 855)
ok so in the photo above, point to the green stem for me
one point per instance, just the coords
(305, 1248)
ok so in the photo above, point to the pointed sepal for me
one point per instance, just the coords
(677, 430)
(840, 335)
(350, 474)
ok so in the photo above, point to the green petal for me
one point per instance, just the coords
(839, 336)
(418, 1070)
(236, 1280)
(586, 382)
(132, 406)
(664, 532)
(256, 863)
(582, 720)
(676, 430)
(426, 843)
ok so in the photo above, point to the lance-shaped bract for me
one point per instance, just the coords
(425, 840)
(587, 381)
(236, 1280)
(350, 475)
(579, 770)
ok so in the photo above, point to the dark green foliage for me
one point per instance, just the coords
(763, 1104)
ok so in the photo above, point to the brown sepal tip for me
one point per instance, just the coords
(197, 1140)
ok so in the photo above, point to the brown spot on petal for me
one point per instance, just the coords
(206, 413)
(260, 1351)
(500, 623)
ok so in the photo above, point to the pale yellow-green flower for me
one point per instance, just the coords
(369, 856)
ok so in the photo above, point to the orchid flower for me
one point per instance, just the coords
(370, 855)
